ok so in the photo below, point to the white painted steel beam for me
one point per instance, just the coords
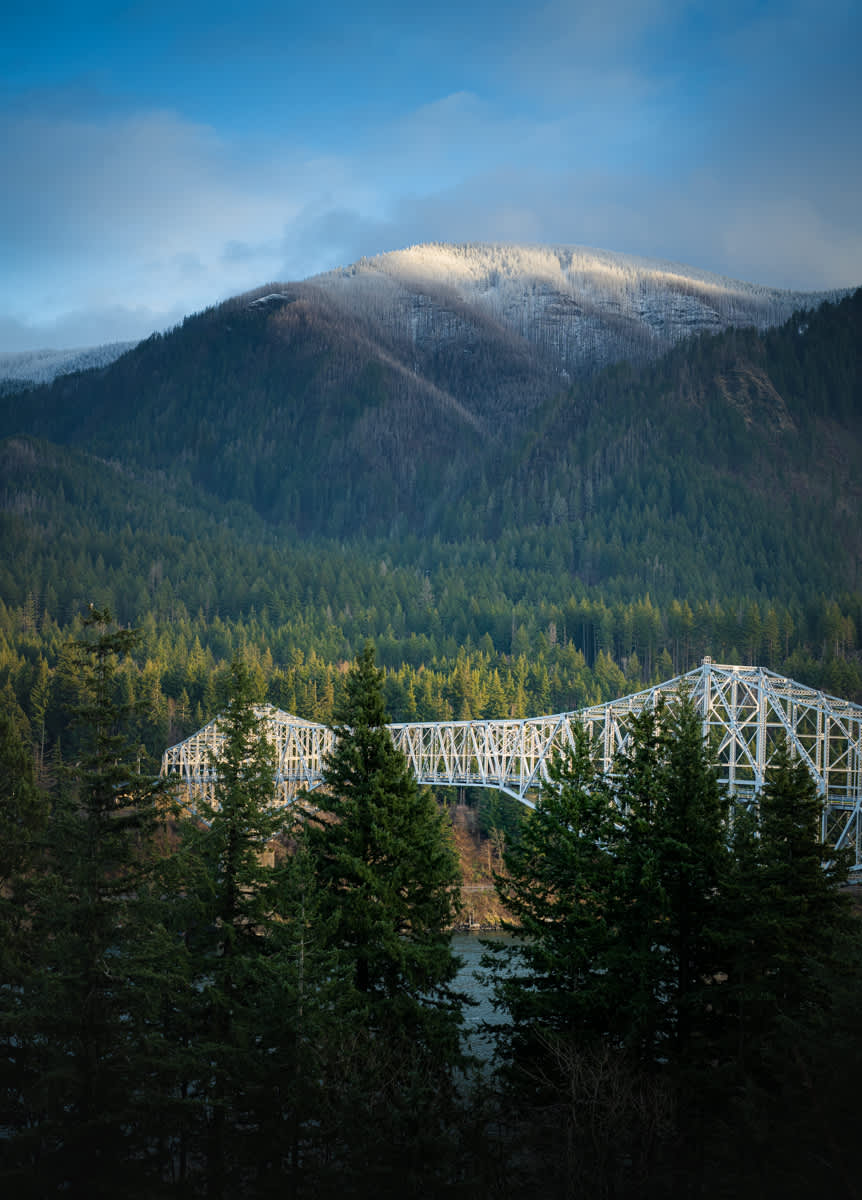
(747, 711)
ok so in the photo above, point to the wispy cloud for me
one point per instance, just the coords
(722, 136)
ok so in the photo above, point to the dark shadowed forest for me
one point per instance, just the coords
(252, 1000)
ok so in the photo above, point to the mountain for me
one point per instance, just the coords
(390, 402)
(294, 471)
(581, 308)
(33, 367)
(369, 401)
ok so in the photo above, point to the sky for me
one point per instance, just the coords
(159, 157)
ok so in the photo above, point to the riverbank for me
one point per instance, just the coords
(480, 859)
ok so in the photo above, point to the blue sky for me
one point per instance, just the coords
(159, 157)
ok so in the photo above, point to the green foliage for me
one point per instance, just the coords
(247, 1005)
(512, 550)
(615, 887)
(794, 934)
(22, 803)
(239, 822)
(556, 885)
(685, 984)
(260, 976)
(672, 855)
(619, 537)
(74, 1017)
(388, 875)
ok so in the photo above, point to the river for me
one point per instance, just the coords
(469, 948)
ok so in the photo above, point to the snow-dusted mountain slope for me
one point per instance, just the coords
(564, 309)
(41, 366)
(580, 307)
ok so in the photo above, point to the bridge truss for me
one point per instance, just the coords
(746, 712)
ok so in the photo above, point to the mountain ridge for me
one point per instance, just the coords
(581, 308)
(585, 307)
(325, 425)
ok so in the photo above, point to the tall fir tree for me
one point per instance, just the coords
(388, 882)
(387, 867)
(793, 1033)
(89, 990)
(229, 892)
(673, 857)
(258, 1029)
(23, 811)
(617, 889)
(558, 884)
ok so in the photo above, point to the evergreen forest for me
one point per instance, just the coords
(606, 537)
(251, 1002)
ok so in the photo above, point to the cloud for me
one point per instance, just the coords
(133, 218)
(86, 327)
(706, 219)
(723, 137)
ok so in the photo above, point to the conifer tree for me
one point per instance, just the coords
(790, 1019)
(673, 856)
(81, 1007)
(616, 886)
(257, 1030)
(22, 819)
(229, 893)
(291, 1026)
(796, 935)
(23, 810)
(388, 883)
(387, 868)
(558, 885)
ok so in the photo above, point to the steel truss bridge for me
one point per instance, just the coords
(746, 711)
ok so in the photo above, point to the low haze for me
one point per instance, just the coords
(158, 158)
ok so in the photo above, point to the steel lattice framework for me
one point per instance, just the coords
(746, 711)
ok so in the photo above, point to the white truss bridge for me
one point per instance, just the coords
(746, 713)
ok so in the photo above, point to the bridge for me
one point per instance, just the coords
(746, 712)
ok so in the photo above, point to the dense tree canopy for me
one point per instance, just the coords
(677, 987)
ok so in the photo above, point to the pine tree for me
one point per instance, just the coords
(558, 885)
(617, 889)
(387, 867)
(81, 1007)
(799, 881)
(22, 820)
(258, 1030)
(388, 883)
(229, 892)
(796, 931)
(295, 1064)
(673, 857)
(23, 810)
(791, 1021)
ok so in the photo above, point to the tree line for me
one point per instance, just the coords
(520, 662)
(249, 1000)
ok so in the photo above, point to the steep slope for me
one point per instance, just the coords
(732, 461)
(736, 460)
(581, 308)
(286, 405)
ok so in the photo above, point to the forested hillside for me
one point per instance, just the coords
(269, 477)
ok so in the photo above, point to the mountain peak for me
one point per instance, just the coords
(584, 308)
